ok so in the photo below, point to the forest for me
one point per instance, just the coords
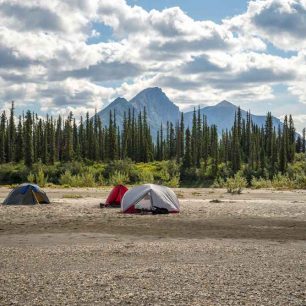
(85, 152)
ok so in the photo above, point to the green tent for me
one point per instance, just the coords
(26, 194)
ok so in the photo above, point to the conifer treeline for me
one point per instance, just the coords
(266, 149)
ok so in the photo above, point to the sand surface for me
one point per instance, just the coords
(247, 249)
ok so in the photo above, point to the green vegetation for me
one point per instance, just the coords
(72, 196)
(89, 174)
(119, 178)
(85, 153)
(235, 185)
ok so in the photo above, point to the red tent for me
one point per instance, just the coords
(115, 196)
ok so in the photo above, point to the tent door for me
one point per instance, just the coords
(145, 203)
(40, 199)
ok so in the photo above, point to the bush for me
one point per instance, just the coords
(282, 182)
(189, 175)
(236, 184)
(173, 168)
(300, 181)
(118, 178)
(174, 182)
(261, 183)
(87, 180)
(168, 173)
(122, 166)
(101, 180)
(13, 173)
(145, 177)
(66, 178)
(40, 178)
(31, 178)
(219, 183)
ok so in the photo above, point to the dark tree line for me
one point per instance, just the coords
(264, 149)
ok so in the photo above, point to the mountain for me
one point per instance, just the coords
(161, 109)
(120, 105)
(158, 107)
(223, 114)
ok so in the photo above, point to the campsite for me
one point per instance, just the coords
(153, 153)
(221, 249)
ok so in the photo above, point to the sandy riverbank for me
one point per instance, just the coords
(248, 249)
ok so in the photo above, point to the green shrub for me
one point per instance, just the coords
(236, 184)
(66, 178)
(31, 178)
(173, 168)
(87, 179)
(300, 181)
(72, 196)
(219, 182)
(167, 173)
(145, 177)
(40, 178)
(189, 175)
(174, 182)
(101, 180)
(260, 183)
(122, 166)
(282, 182)
(13, 173)
(224, 171)
(164, 175)
(118, 178)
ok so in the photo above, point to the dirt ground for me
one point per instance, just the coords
(247, 249)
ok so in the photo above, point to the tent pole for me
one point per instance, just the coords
(37, 202)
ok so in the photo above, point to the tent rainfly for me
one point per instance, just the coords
(115, 196)
(26, 194)
(150, 197)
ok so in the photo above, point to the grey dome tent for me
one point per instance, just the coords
(26, 194)
(149, 197)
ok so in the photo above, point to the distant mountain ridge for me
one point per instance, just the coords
(223, 116)
(161, 109)
(158, 107)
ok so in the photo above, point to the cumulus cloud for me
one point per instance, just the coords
(45, 56)
(42, 18)
(282, 22)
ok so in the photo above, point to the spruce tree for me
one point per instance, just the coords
(235, 158)
(194, 141)
(11, 135)
(214, 150)
(187, 160)
(28, 139)
(283, 151)
(2, 138)
(304, 141)
(19, 142)
(182, 138)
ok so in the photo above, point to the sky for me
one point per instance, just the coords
(78, 55)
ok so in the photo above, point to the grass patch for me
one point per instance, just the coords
(195, 193)
(72, 196)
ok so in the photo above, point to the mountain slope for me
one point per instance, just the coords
(158, 107)
(223, 114)
(120, 106)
